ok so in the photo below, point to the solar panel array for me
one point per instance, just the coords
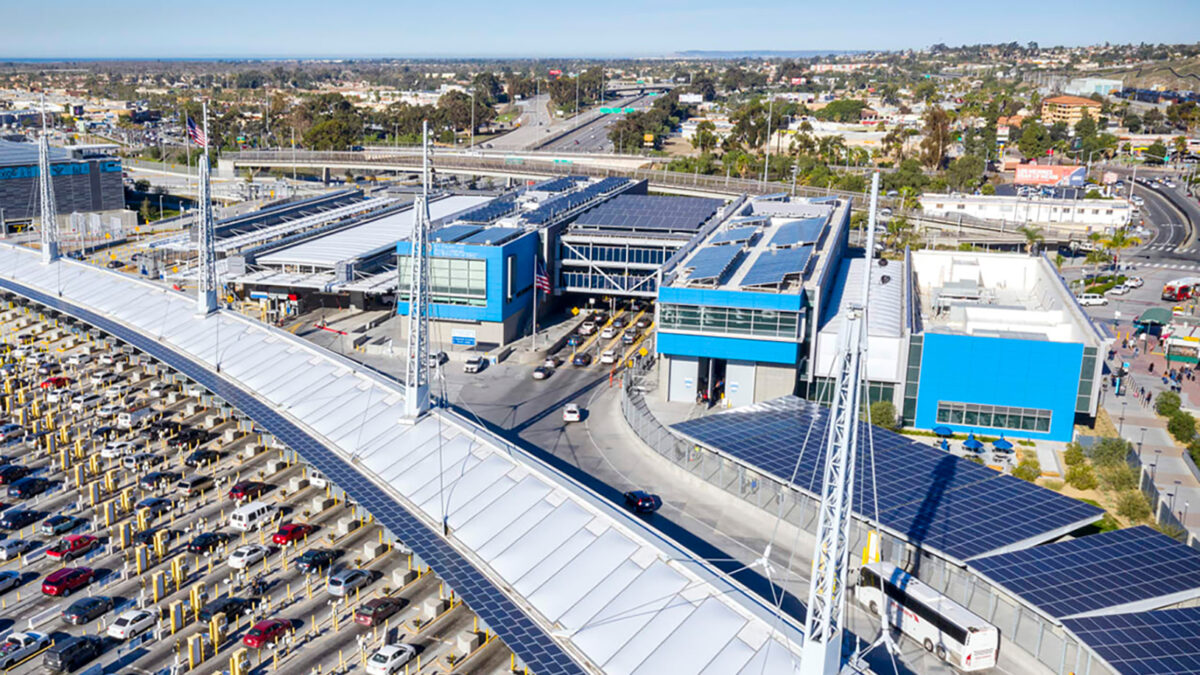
(454, 232)
(492, 236)
(734, 235)
(1096, 572)
(1164, 642)
(489, 212)
(773, 266)
(555, 184)
(652, 212)
(793, 232)
(711, 262)
(933, 499)
(553, 207)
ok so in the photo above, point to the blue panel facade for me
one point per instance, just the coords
(737, 349)
(503, 299)
(1000, 372)
(788, 302)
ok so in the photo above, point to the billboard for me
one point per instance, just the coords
(797, 80)
(691, 98)
(1063, 175)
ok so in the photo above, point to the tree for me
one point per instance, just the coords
(141, 185)
(883, 414)
(486, 84)
(1085, 128)
(705, 138)
(1033, 237)
(964, 172)
(1035, 140)
(333, 134)
(1182, 426)
(1028, 470)
(1121, 240)
(143, 210)
(1181, 145)
(1110, 452)
(1133, 506)
(1167, 403)
(1081, 477)
(1156, 153)
(937, 137)
(1132, 122)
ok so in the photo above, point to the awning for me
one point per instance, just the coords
(1160, 316)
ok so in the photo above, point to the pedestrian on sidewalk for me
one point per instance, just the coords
(1151, 363)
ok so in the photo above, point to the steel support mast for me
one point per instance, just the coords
(206, 283)
(49, 212)
(416, 372)
(821, 654)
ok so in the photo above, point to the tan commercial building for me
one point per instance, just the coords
(1069, 109)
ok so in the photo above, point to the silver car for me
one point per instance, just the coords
(345, 582)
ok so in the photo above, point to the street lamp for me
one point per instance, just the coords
(1154, 467)
(1121, 426)
(1140, 439)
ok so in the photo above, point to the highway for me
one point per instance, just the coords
(592, 135)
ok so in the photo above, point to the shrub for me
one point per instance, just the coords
(1056, 485)
(974, 458)
(1182, 426)
(883, 414)
(1133, 506)
(1194, 450)
(1074, 454)
(1167, 403)
(1028, 469)
(1081, 477)
(1110, 452)
(1118, 478)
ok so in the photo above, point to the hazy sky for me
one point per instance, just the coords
(138, 28)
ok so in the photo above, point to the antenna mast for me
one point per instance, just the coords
(206, 292)
(49, 212)
(416, 376)
(822, 651)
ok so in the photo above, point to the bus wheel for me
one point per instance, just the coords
(941, 652)
(928, 645)
(874, 608)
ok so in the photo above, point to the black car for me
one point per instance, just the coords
(105, 432)
(15, 519)
(582, 359)
(644, 322)
(72, 652)
(231, 607)
(574, 340)
(115, 264)
(159, 479)
(11, 473)
(188, 437)
(86, 610)
(642, 502)
(206, 542)
(200, 457)
(28, 487)
(146, 537)
(314, 560)
(161, 429)
(619, 322)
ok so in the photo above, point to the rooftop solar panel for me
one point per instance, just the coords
(773, 266)
(454, 232)
(492, 236)
(1165, 642)
(734, 235)
(794, 232)
(933, 499)
(710, 262)
(1114, 571)
(489, 212)
(652, 212)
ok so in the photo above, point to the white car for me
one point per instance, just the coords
(1089, 299)
(79, 359)
(473, 364)
(245, 556)
(390, 659)
(85, 403)
(609, 356)
(10, 549)
(608, 333)
(1136, 199)
(1120, 289)
(117, 449)
(108, 358)
(117, 392)
(19, 646)
(131, 624)
(1134, 282)
(587, 328)
(572, 413)
(58, 396)
(110, 409)
(158, 390)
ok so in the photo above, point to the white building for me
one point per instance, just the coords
(1086, 86)
(1085, 215)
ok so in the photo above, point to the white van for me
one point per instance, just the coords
(133, 416)
(252, 516)
(315, 478)
(1089, 299)
(86, 403)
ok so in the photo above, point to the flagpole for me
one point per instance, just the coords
(535, 296)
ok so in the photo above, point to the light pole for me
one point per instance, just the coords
(1154, 466)
(767, 156)
(1183, 520)
(1140, 439)
(1121, 426)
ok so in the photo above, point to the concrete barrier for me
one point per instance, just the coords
(43, 616)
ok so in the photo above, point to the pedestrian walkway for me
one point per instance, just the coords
(1136, 421)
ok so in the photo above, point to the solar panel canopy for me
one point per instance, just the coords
(735, 235)
(492, 235)
(455, 232)
(711, 262)
(930, 498)
(1122, 570)
(1164, 642)
(563, 203)
(652, 212)
(775, 265)
(793, 232)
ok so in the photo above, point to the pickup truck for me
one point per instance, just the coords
(19, 646)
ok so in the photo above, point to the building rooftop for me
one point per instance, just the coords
(885, 312)
(14, 153)
(1071, 100)
(997, 295)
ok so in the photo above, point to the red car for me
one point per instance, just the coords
(291, 532)
(66, 580)
(55, 383)
(247, 489)
(266, 632)
(375, 610)
(72, 546)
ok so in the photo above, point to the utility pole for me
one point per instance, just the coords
(49, 211)
(416, 374)
(206, 287)
(821, 653)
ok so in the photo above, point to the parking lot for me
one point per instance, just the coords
(117, 468)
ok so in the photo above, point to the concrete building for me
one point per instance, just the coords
(735, 313)
(1086, 86)
(1083, 215)
(81, 184)
(1069, 109)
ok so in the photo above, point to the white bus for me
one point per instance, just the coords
(957, 635)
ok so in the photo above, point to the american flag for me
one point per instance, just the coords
(540, 280)
(196, 134)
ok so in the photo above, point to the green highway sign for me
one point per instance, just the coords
(628, 110)
(606, 111)
(557, 161)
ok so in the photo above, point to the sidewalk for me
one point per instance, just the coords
(1138, 423)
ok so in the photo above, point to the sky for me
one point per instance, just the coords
(537, 28)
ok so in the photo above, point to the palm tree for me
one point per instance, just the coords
(1121, 240)
(908, 198)
(1033, 237)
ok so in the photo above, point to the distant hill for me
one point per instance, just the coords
(1180, 75)
(762, 53)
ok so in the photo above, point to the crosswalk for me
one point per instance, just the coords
(1171, 247)
(1171, 266)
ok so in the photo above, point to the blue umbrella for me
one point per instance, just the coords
(945, 445)
(971, 443)
(1002, 444)
(943, 431)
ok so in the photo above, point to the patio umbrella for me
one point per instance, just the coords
(1002, 444)
(943, 431)
(971, 443)
(945, 445)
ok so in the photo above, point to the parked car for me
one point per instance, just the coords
(231, 607)
(315, 559)
(247, 489)
(374, 611)
(343, 583)
(87, 610)
(67, 580)
(572, 413)
(245, 556)
(19, 646)
(473, 364)
(642, 502)
(207, 541)
(266, 632)
(390, 659)
(542, 372)
(55, 525)
(1091, 299)
(132, 624)
(291, 532)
